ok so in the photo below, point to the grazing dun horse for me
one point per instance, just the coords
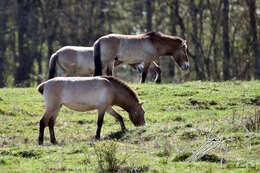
(79, 61)
(138, 50)
(88, 93)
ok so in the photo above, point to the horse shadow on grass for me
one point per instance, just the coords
(116, 135)
(120, 135)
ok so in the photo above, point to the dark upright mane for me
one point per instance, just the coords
(157, 35)
(152, 33)
(124, 85)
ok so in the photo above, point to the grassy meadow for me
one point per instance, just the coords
(190, 127)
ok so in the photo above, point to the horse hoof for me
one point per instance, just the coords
(54, 142)
(40, 141)
(124, 130)
(158, 81)
(97, 137)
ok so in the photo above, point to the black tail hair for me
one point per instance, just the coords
(97, 58)
(40, 88)
(52, 65)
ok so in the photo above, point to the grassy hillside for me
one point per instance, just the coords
(216, 122)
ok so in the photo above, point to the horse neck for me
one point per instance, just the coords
(166, 47)
(124, 100)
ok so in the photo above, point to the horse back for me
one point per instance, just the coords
(79, 93)
(127, 48)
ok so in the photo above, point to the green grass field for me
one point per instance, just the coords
(219, 121)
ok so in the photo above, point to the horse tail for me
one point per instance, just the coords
(97, 58)
(52, 65)
(40, 88)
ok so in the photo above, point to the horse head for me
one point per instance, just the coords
(171, 46)
(136, 115)
(180, 56)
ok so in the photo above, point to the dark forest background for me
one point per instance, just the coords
(222, 35)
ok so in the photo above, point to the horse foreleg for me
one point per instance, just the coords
(158, 73)
(99, 122)
(118, 117)
(144, 72)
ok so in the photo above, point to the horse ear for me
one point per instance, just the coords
(184, 43)
(141, 103)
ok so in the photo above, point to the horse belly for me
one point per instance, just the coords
(80, 107)
(129, 57)
(133, 53)
(82, 100)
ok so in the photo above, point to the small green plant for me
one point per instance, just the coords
(166, 149)
(189, 135)
(106, 156)
(252, 123)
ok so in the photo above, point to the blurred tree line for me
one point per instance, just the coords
(222, 35)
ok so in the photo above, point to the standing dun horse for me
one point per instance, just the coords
(88, 93)
(79, 61)
(138, 50)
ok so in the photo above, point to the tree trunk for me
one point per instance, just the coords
(253, 30)
(197, 59)
(180, 21)
(149, 15)
(50, 40)
(226, 48)
(26, 45)
(3, 17)
(173, 23)
(21, 74)
(215, 11)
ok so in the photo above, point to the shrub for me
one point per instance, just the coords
(106, 156)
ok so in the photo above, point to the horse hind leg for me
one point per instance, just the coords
(51, 124)
(48, 119)
(118, 117)
(43, 124)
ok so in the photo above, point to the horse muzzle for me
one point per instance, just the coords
(139, 124)
(185, 66)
